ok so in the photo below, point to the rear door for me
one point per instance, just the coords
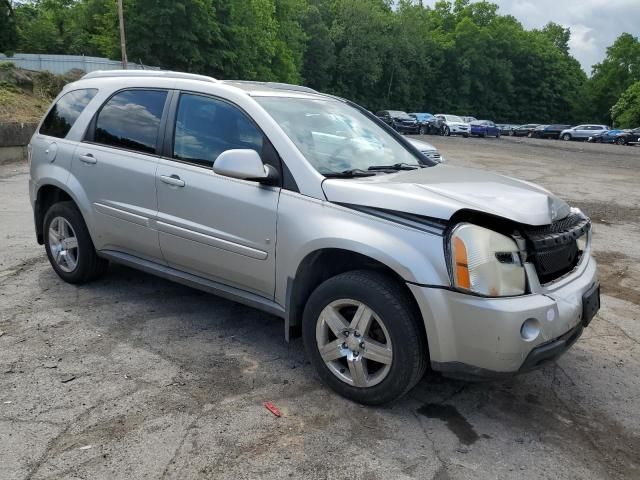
(582, 131)
(116, 166)
(210, 225)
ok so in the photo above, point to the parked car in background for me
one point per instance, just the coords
(608, 136)
(399, 121)
(582, 132)
(427, 150)
(550, 131)
(485, 128)
(629, 137)
(537, 132)
(505, 128)
(453, 125)
(523, 130)
(469, 119)
(429, 124)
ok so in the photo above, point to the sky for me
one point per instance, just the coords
(594, 24)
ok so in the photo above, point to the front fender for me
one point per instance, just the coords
(306, 225)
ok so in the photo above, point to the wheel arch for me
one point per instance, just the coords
(47, 195)
(324, 263)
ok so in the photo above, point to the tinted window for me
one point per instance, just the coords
(130, 120)
(206, 127)
(65, 112)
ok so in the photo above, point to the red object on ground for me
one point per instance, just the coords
(272, 408)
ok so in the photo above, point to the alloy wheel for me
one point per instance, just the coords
(63, 244)
(354, 343)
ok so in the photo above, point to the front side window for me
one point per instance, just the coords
(334, 136)
(206, 127)
(131, 120)
(66, 111)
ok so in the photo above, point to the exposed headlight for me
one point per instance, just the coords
(485, 262)
(582, 242)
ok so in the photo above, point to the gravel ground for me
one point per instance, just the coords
(135, 377)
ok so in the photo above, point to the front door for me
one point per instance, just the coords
(210, 225)
(116, 166)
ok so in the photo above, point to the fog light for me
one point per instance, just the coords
(530, 329)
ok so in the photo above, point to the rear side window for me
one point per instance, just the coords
(65, 112)
(131, 120)
(206, 127)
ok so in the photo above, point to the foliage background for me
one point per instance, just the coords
(457, 56)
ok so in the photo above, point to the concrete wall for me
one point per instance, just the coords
(14, 138)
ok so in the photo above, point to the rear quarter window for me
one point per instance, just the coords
(65, 112)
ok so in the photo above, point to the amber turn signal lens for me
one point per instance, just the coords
(461, 263)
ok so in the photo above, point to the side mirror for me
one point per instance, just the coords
(245, 164)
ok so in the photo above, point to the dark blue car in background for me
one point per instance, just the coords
(485, 128)
(428, 123)
(608, 136)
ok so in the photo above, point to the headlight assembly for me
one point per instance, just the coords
(485, 262)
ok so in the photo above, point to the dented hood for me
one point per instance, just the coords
(442, 190)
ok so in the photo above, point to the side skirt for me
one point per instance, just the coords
(221, 290)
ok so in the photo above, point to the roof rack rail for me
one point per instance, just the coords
(275, 85)
(147, 73)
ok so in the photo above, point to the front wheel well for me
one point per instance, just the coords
(323, 264)
(47, 196)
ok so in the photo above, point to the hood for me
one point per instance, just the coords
(442, 190)
(420, 145)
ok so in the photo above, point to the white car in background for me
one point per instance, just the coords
(454, 125)
(427, 150)
(582, 132)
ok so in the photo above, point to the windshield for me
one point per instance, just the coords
(334, 136)
(454, 118)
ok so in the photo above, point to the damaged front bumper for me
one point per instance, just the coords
(475, 337)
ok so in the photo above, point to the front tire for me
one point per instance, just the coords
(566, 137)
(620, 141)
(363, 337)
(447, 131)
(69, 246)
(422, 130)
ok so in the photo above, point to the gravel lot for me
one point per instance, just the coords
(135, 377)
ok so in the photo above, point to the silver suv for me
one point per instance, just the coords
(310, 208)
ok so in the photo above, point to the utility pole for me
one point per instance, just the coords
(123, 43)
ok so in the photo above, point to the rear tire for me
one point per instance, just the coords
(69, 246)
(388, 327)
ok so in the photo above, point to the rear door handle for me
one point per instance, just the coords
(88, 158)
(172, 180)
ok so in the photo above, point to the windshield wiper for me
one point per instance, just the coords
(351, 173)
(395, 166)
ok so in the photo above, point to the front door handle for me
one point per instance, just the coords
(88, 158)
(172, 180)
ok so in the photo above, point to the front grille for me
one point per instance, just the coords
(553, 249)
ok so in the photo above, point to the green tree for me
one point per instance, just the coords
(611, 77)
(626, 111)
(8, 32)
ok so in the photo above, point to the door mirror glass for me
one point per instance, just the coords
(244, 164)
